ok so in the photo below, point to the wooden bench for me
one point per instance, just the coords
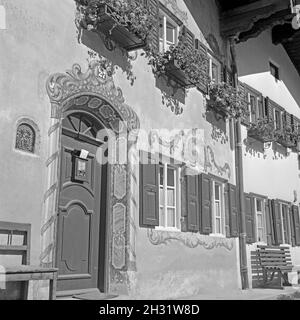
(274, 259)
(15, 241)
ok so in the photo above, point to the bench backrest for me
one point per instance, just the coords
(15, 240)
(273, 256)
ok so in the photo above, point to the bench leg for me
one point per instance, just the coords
(52, 288)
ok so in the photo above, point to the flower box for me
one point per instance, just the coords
(263, 131)
(288, 138)
(226, 100)
(127, 23)
(174, 70)
(109, 24)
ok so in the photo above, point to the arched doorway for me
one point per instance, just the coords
(80, 254)
(94, 94)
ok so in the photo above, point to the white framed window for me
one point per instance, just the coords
(277, 119)
(214, 70)
(169, 197)
(259, 205)
(253, 107)
(285, 223)
(168, 32)
(218, 208)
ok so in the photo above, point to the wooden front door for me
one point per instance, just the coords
(80, 209)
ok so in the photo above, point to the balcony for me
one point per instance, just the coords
(263, 130)
(126, 23)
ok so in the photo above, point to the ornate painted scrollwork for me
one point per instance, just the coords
(190, 240)
(96, 80)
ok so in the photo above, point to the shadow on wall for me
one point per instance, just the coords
(118, 57)
(218, 125)
(258, 63)
(173, 95)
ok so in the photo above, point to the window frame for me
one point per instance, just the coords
(275, 67)
(177, 188)
(289, 231)
(280, 119)
(214, 61)
(221, 182)
(167, 16)
(263, 214)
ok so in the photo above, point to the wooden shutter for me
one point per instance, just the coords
(227, 211)
(250, 218)
(269, 223)
(206, 207)
(202, 85)
(233, 211)
(277, 222)
(188, 38)
(149, 195)
(246, 117)
(269, 109)
(192, 193)
(292, 225)
(153, 37)
(296, 224)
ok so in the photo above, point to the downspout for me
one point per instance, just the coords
(240, 180)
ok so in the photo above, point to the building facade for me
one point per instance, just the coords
(117, 154)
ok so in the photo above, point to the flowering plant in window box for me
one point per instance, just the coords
(187, 66)
(288, 138)
(227, 100)
(126, 22)
(263, 130)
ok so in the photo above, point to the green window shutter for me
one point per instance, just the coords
(296, 224)
(269, 223)
(269, 109)
(206, 207)
(188, 38)
(227, 211)
(292, 225)
(153, 37)
(233, 211)
(202, 85)
(192, 193)
(149, 195)
(246, 117)
(250, 218)
(277, 222)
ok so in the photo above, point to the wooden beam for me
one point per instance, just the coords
(243, 18)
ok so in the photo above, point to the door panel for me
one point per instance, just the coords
(78, 218)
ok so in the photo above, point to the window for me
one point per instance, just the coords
(218, 212)
(253, 108)
(260, 220)
(25, 138)
(214, 70)
(277, 117)
(168, 32)
(286, 223)
(169, 203)
(274, 71)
